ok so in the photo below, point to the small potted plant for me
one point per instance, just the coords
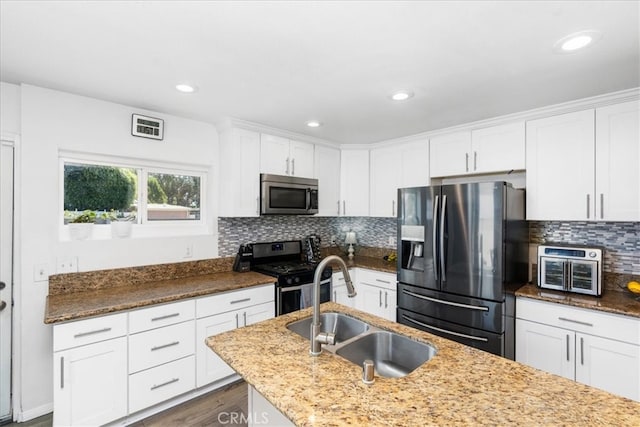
(81, 226)
(121, 226)
(106, 217)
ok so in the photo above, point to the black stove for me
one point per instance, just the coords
(286, 262)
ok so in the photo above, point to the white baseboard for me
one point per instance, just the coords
(22, 416)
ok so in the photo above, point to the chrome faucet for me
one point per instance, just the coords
(318, 338)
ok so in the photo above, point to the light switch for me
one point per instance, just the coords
(40, 272)
(67, 265)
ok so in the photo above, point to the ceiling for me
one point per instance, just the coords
(283, 63)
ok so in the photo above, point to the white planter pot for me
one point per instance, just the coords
(120, 230)
(80, 231)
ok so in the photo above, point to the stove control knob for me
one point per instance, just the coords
(297, 280)
(289, 281)
(592, 254)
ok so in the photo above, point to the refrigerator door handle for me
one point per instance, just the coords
(439, 301)
(443, 254)
(446, 331)
(435, 238)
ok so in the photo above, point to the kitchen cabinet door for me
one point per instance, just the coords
(414, 170)
(609, 365)
(449, 154)
(377, 301)
(327, 172)
(90, 383)
(258, 313)
(354, 182)
(239, 173)
(274, 155)
(560, 167)
(302, 157)
(546, 347)
(385, 181)
(617, 193)
(209, 366)
(498, 148)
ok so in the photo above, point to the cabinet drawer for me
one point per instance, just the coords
(161, 315)
(613, 326)
(227, 301)
(162, 345)
(163, 382)
(82, 332)
(377, 278)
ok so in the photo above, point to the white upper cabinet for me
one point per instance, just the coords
(393, 167)
(239, 173)
(493, 149)
(498, 148)
(354, 182)
(282, 156)
(584, 165)
(449, 154)
(617, 193)
(327, 172)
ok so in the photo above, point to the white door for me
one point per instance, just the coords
(274, 155)
(498, 148)
(6, 276)
(547, 348)
(354, 182)
(327, 171)
(258, 313)
(209, 366)
(609, 365)
(301, 154)
(449, 154)
(385, 180)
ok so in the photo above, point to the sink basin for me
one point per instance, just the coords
(343, 326)
(393, 355)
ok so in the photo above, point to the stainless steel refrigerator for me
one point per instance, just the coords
(460, 249)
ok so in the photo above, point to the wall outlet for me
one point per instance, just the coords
(40, 272)
(67, 264)
(188, 252)
(333, 240)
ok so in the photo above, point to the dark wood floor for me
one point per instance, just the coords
(213, 409)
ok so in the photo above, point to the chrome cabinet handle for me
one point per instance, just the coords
(344, 207)
(335, 296)
(293, 166)
(258, 205)
(171, 381)
(393, 208)
(167, 316)
(475, 160)
(240, 300)
(97, 331)
(160, 347)
(338, 207)
(601, 205)
(588, 207)
(575, 321)
(386, 299)
(383, 281)
(567, 347)
(62, 372)
(237, 321)
(380, 300)
(581, 351)
(466, 162)
(244, 318)
(287, 170)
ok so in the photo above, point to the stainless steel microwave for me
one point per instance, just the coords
(288, 195)
(570, 269)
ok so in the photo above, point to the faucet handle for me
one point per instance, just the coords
(368, 372)
(326, 338)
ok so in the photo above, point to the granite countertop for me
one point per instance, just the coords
(460, 385)
(372, 263)
(612, 302)
(77, 305)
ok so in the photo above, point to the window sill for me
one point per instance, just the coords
(138, 231)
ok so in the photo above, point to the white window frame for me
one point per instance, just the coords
(142, 228)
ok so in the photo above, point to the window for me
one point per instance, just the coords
(103, 191)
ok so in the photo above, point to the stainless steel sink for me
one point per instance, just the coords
(393, 355)
(343, 326)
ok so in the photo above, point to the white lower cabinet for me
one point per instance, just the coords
(377, 293)
(108, 367)
(90, 383)
(210, 367)
(598, 349)
(262, 412)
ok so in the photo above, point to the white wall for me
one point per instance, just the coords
(9, 108)
(52, 121)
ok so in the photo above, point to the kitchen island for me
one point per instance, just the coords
(460, 385)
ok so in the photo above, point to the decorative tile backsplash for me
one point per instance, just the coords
(621, 240)
(373, 232)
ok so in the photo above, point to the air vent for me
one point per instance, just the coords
(147, 127)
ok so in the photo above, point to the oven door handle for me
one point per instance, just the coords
(284, 289)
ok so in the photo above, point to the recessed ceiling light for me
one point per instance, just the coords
(401, 95)
(185, 88)
(314, 124)
(576, 41)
